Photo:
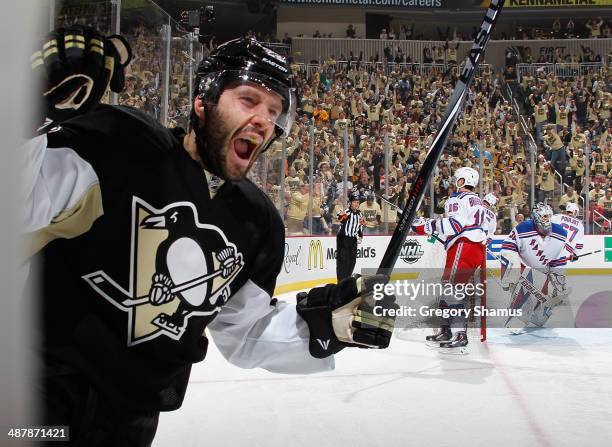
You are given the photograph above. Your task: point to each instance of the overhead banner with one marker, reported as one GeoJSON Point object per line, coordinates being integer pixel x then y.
{"type": "Point", "coordinates": [550, 3]}
{"type": "Point", "coordinates": [374, 3]}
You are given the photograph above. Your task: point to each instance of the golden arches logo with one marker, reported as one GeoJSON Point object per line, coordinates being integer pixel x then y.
{"type": "Point", "coordinates": [315, 254]}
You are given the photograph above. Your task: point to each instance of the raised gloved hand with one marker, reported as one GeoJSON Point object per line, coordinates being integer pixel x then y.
{"type": "Point", "coordinates": [348, 315]}
{"type": "Point", "coordinates": [424, 225]}
{"type": "Point", "coordinates": [75, 66]}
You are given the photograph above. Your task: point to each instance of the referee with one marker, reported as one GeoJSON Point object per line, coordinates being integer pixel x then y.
{"type": "Point", "coordinates": [346, 242]}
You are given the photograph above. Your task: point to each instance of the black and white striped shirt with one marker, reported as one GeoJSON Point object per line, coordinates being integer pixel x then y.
{"type": "Point", "coordinates": [352, 223]}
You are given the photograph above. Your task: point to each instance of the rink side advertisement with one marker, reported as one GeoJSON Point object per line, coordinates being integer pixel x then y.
{"type": "Point", "coordinates": [311, 261]}
{"type": "Point", "coordinates": [584, 298]}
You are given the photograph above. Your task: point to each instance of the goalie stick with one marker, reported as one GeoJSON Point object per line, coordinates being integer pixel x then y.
{"type": "Point", "coordinates": [437, 147]}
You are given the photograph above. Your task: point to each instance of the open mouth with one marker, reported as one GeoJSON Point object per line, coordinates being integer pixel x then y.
{"type": "Point", "coordinates": [244, 147]}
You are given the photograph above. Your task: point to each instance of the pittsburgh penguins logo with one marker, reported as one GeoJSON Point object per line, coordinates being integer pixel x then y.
{"type": "Point", "coordinates": [179, 268]}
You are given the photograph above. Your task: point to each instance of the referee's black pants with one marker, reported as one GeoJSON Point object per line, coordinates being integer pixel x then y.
{"type": "Point", "coordinates": [346, 256]}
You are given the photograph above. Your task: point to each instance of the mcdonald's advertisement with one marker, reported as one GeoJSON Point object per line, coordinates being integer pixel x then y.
{"type": "Point", "coordinates": [311, 261]}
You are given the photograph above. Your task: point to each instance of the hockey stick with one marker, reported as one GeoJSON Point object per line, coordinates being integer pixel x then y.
{"type": "Point", "coordinates": [432, 237]}
{"type": "Point", "coordinates": [437, 147]}
{"type": "Point", "coordinates": [589, 253]}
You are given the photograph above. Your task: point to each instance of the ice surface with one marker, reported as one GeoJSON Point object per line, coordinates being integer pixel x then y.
{"type": "Point", "coordinates": [550, 387]}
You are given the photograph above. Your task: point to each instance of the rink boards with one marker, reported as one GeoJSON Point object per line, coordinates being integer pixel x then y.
{"type": "Point", "coordinates": [310, 261]}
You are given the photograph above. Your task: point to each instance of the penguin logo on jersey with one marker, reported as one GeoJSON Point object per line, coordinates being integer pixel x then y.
{"type": "Point", "coordinates": [179, 268]}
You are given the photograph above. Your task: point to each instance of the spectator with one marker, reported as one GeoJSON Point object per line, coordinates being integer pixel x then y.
{"type": "Point", "coordinates": [606, 203]}
{"type": "Point", "coordinates": [350, 31]}
{"type": "Point", "coordinates": [371, 213]}
{"type": "Point", "coordinates": [569, 196]}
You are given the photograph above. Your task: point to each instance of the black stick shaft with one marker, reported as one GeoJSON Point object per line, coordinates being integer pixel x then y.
{"type": "Point", "coordinates": [447, 125]}
{"type": "Point", "coordinates": [589, 253]}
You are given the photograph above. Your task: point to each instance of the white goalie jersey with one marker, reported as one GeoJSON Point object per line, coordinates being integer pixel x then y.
{"type": "Point", "coordinates": [534, 250]}
{"type": "Point", "coordinates": [532, 269]}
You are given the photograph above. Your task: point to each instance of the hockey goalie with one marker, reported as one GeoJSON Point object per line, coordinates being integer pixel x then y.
{"type": "Point", "coordinates": [533, 260]}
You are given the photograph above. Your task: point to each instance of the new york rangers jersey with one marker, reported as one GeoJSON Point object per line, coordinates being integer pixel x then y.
{"type": "Point", "coordinates": [465, 217]}
{"type": "Point", "coordinates": [535, 250]}
{"type": "Point", "coordinates": [490, 224]}
{"type": "Point", "coordinates": [574, 229]}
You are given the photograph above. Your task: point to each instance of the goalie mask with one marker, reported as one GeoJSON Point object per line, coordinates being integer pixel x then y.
{"type": "Point", "coordinates": [541, 215]}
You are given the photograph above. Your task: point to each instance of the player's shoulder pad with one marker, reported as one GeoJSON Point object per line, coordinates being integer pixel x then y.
{"type": "Point", "coordinates": [525, 227]}
{"type": "Point", "coordinates": [558, 229]}
{"type": "Point", "coordinates": [248, 200]}
{"type": "Point", "coordinates": [258, 203]}
{"type": "Point", "coordinates": [461, 195]}
{"type": "Point", "coordinates": [113, 128]}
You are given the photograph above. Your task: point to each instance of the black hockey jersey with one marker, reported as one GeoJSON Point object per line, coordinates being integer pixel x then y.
{"type": "Point", "coordinates": [138, 258]}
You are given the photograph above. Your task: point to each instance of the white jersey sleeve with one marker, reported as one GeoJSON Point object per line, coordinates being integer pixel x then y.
{"type": "Point", "coordinates": [62, 194]}
{"type": "Point", "coordinates": [465, 217]}
{"type": "Point", "coordinates": [251, 333]}
{"type": "Point", "coordinates": [490, 224]}
{"type": "Point", "coordinates": [575, 232]}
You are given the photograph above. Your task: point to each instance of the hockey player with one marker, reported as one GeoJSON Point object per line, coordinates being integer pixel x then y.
{"type": "Point", "coordinates": [149, 237]}
{"type": "Point", "coordinates": [489, 202]}
{"type": "Point", "coordinates": [574, 228]}
{"type": "Point", "coordinates": [537, 243]}
{"type": "Point", "coordinates": [465, 227]}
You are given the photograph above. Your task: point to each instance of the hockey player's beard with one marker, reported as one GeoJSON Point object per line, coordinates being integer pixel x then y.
{"type": "Point", "coordinates": [213, 143]}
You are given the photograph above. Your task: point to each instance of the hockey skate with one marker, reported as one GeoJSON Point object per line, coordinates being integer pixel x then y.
{"type": "Point", "coordinates": [443, 334]}
{"type": "Point", "coordinates": [457, 345]}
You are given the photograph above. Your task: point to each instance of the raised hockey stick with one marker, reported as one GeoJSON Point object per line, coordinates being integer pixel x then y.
{"type": "Point", "coordinates": [437, 147]}
{"type": "Point", "coordinates": [432, 237]}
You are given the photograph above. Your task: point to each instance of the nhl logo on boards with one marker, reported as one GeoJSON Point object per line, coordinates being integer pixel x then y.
{"type": "Point", "coordinates": [411, 251]}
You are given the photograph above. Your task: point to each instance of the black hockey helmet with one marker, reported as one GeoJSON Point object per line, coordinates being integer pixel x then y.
{"type": "Point", "coordinates": [354, 196]}
{"type": "Point", "coordinates": [245, 60]}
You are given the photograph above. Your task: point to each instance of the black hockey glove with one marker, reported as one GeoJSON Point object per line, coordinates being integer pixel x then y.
{"type": "Point", "coordinates": [347, 315]}
{"type": "Point", "coordinates": [75, 66]}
